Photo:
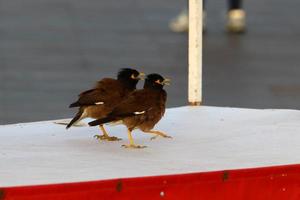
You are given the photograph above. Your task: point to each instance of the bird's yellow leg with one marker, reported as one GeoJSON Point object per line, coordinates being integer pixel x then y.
{"type": "Point", "coordinates": [105, 135]}
{"type": "Point", "coordinates": [158, 133]}
{"type": "Point", "coordinates": [131, 142]}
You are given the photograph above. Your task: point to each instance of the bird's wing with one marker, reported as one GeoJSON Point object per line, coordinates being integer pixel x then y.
{"type": "Point", "coordinates": [105, 91]}
{"type": "Point", "coordinates": [138, 102]}
{"type": "Point", "coordinates": [108, 85]}
{"type": "Point", "coordinates": [89, 97]}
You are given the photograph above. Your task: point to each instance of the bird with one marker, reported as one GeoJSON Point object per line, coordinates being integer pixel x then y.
{"type": "Point", "coordinates": [108, 92]}
{"type": "Point", "coordinates": [142, 109]}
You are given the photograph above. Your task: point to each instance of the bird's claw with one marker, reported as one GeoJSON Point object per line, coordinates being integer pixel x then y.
{"type": "Point", "coordinates": [108, 138]}
{"type": "Point", "coordinates": [154, 137]}
{"type": "Point", "coordinates": [133, 146]}
{"type": "Point", "coordinates": [164, 136]}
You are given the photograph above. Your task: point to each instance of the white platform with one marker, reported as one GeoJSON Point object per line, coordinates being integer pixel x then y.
{"type": "Point", "coordinates": [205, 139]}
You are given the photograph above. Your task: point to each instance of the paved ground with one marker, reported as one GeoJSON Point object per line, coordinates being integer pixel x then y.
{"type": "Point", "coordinates": [50, 50]}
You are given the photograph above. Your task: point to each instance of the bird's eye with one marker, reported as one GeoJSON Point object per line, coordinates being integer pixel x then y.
{"type": "Point", "coordinates": [158, 81]}
{"type": "Point", "coordinates": [163, 82]}
{"type": "Point", "coordinates": [133, 77]}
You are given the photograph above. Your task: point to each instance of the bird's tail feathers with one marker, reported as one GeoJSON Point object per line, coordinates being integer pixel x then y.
{"type": "Point", "coordinates": [102, 121]}
{"type": "Point", "coordinates": [77, 117]}
{"type": "Point", "coordinates": [111, 119]}
{"type": "Point", "coordinates": [75, 104]}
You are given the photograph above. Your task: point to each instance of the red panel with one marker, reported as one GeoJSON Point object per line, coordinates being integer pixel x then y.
{"type": "Point", "coordinates": [272, 183]}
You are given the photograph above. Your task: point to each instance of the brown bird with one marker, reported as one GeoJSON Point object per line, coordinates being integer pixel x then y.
{"type": "Point", "coordinates": [142, 109]}
{"type": "Point", "coordinates": [101, 100]}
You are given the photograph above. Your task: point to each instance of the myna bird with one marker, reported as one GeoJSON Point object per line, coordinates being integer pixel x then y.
{"type": "Point", "coordinates": [101, 100]}
{"type": "Point", "coordinates": [142, 109]}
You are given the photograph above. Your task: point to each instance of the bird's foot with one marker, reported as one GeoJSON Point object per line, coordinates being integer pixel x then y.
{"type": "Point", "coordinates": [133, 146]}
{"type": "Point", "coordinates": [108, 138]}
{"type": "Point", "coordinates": [164, 136]}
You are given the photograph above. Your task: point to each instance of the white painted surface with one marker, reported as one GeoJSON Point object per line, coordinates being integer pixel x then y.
{"type": "Point", "coordinates": [204, 139]}
{"type": "Point", "coordinates": [195, 51]}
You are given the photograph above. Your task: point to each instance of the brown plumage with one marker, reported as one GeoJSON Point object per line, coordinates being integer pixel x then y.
{"type": "Point", "coordinates": [101, 100]}
{"type": "Point", "coordinates": [142, 109]}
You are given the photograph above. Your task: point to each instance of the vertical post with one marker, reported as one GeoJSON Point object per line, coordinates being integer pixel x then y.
{"type": "Point", "coordinates": [195, 52]}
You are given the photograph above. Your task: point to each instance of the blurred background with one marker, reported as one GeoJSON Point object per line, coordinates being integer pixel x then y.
{"type": "Point", "coordinates": [51, 50]}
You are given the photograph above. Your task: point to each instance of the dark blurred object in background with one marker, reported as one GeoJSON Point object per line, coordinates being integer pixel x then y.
{"type": "Point", "coordinates": [236, 18]}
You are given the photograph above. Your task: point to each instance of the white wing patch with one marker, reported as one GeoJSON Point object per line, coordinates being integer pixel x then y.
{"type": "Point", "coordinates": [139, 113]}
{"type": "Point", "coordinates": [99, 103]}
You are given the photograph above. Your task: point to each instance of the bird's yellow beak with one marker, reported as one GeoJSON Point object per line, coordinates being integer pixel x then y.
{"type": "Point", "coordinates": [139, 77]}
{"type": "Point", "coordinates": [166, 81]}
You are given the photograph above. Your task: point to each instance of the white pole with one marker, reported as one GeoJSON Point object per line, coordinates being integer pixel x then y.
{"type": "Point", "coordinates": [195, 52]}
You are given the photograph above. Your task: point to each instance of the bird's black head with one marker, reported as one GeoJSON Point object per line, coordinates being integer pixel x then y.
{"type": "Point", "coordinates": [156, 81]}
{"type": "Point", "coordinates": [129, 77]}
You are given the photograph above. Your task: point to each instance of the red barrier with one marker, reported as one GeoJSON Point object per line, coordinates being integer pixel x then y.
{"type": "Point", "coordinates": [269, 183]}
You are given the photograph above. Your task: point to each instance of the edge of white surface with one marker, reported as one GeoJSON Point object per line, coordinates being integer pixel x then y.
{"type": "Point", "coordinates": [225, 138]}
{"type": "Point", "coordinates": [168, 109]}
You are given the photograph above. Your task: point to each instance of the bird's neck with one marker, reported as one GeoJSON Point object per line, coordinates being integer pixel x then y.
{"type": "Point", "coordinates": [130, 85]}
{"type": "Point", "coordinates": [153, 87]}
